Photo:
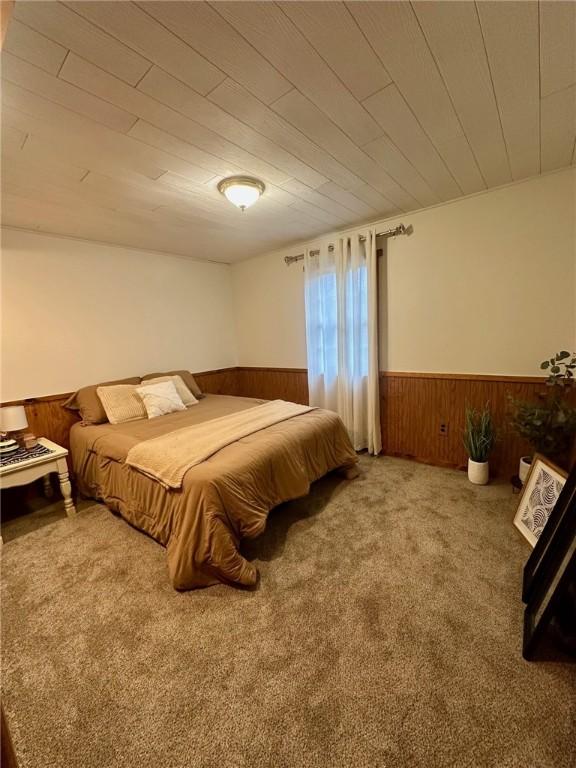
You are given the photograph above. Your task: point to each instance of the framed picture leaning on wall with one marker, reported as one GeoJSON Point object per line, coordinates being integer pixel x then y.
{"type": "Point", "coordinates": [541, 491]}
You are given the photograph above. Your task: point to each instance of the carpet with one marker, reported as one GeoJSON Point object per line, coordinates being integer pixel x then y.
{"type": "Point", "coordinates": [385, 631]}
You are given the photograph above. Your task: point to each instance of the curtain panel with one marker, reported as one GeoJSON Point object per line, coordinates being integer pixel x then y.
{"type": "Point", "coordinates": [342, 334]}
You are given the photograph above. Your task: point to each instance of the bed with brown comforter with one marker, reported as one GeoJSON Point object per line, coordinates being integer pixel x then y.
{"type": "Point", "coordinates": [223, 498]}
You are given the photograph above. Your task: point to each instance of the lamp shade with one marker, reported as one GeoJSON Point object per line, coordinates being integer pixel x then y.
{"type": "Point", "coordinates": [242, 191]}
{"type": "Point", "coordinates": [13, 418]}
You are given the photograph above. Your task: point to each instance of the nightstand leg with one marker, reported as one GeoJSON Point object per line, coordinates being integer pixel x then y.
{"type": "Point", "coordinates": [48, 490]}
{"type": "Point", "coordinates": [66, 488]}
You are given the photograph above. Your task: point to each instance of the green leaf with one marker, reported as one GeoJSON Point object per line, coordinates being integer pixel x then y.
{"type": "Point", "coordinates": [545, 365]}
{"type": "Point", "coordinates": [555, 369]}
{"type": "Point", "coordinates": [562, 355]}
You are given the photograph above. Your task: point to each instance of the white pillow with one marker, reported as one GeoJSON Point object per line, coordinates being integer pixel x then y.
{"type": "Point", "coordinates": [185, 395]}
{"type": "Point", "coordinates": [160, 399]}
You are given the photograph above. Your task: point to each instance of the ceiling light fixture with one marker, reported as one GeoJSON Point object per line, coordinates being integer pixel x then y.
{"type": "Point", "coordinates": [242, 191]}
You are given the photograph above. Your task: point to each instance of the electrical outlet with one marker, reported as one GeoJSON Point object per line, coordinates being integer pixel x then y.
{"type": "Point", "coordinates": [443, 428]}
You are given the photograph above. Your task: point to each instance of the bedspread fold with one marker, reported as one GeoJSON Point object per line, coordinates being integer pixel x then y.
{"type": "Point", "coordinates": [168, 457]}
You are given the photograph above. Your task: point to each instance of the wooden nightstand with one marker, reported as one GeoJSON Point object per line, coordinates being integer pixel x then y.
{"type": "Point", "coordinates": [30, 469]}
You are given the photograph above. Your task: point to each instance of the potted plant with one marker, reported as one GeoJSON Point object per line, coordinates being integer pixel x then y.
{"type": "Point", "coordinates": [479, 438]}
{"type": "Point", "coordinates": [549, 423]}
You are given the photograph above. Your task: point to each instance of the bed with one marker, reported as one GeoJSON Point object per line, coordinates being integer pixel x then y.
{"type": "Point", "coordinates": [222, 499]}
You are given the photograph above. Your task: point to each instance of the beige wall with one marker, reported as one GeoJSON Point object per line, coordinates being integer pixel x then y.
{"type": "Point", "coordinates": [269, 310]}
{"type": "Point", "coordinates": [485, 284]}
{"type": "Point", "coordinates": [74, 313]}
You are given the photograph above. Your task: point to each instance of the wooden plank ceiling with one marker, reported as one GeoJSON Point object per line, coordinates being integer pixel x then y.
{"type": "Point", "coordinates": [120, 118]}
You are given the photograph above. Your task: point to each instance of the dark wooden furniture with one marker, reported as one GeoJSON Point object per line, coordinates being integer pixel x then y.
{"type": "Point", "coordinates": [7, 753]}
{"type": "Point", "coordinates": [549, 583]}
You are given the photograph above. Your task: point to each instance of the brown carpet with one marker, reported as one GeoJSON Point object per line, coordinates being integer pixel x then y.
{"type": "Point", "coordinates": [385, 631]}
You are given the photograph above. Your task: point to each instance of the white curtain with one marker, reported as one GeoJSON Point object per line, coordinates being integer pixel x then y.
{"type": "Point", "coordinates": [342, 334]}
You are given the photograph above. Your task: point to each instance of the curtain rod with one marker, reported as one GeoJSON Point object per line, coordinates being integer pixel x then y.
{"type": "Point", "coordinates": [399, 230]}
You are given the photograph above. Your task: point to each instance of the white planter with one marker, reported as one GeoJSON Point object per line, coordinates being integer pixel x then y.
{"type": "Point", "coordinates": [524, 468]}
{"type": "Point", "coordinates": [478, 472]}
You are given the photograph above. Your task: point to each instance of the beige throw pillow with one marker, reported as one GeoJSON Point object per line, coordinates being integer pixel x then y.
{"type": "Point", "coordinates": [86, 401]}
{"type": "Point", "coordinates": [160, 399]}
{"type": "Point", "coordinates": [121, 403]}
{"type": "Point", "coordinates": [185, 395]}
{"type": "Point", "coordinates": [186, 377]}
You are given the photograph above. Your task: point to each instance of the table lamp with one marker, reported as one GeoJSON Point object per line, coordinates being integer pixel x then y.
{"type": "Point", "coordinates": [13, 422]}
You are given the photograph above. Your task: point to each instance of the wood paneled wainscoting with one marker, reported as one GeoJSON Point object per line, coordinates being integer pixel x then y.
{"type": "Point", "coordinates": [219, 382]}
{"type": "Point", "coordinates": [273, 383]}
{"type": "Point", "coordinates": [413, 406]}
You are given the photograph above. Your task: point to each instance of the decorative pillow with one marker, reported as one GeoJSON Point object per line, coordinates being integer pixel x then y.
{"type": "Point", "coordinates": [87, 402]}
{"type": "Point", "coordinates": [186, 377]}
{"type": "Point", "coordinates": [185, 395]}
{"type": "Point", "coordinates": [160, 399]}
{"type": "Point", "coordinates": [122, 403]}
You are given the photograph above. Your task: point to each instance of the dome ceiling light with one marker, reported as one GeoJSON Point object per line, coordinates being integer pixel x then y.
{"type": "Point", "coordinates": [242, 191]}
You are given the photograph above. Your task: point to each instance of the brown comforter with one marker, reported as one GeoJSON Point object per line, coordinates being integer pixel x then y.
{"type": "Point", "coordinates": [223, 499]}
